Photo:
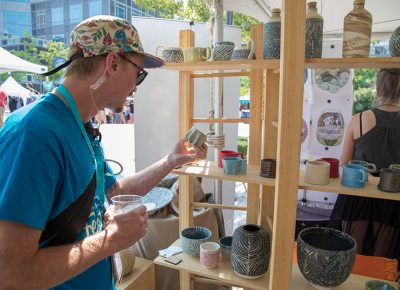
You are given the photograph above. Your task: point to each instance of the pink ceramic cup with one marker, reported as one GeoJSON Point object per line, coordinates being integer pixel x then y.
{"type": "Point", "coordinates": [210, 254]}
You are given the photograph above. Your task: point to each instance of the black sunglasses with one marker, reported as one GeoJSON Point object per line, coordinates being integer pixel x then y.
{"type": "Point", "coordinates": [141, 75]}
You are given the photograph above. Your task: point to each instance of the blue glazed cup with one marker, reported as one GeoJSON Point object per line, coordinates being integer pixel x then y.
{"type": "Point", "coordinates": [191, 238]}
{"type": "Point", "coordinates": [231, 165]}
{"type": "Point", "coordinates": [354, 176]}
{"type": "Point", "coordinates": [243, 166]}
{"type": "Point", "coordinates": [226, 245]}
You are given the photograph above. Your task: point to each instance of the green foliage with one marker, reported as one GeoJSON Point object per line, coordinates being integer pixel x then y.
{"type": "Point", "coordinates": [242, 145]}
{"type": "Point", "coordinates": [245, 22]}
{"type": "Point", "coordinates": [364, 89]}
{"type": "Point", "coordinates": [53, 49]}
{"type": "Point", "coordinates": [244, 86]}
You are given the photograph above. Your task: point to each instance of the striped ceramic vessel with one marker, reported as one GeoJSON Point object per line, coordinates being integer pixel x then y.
{"type": "Point", "coordinates": [223, 50]}
{"type": "Point", "coordinates": [325, 256]}
{"type": "Point", "coordinates": [191, 238]}
{"type": "Point", "coordinates": [314, 30]}
{"type": "Point", "coordinates": [357, 31]}
{"type": "Point", "coordinates": [394, 43]}
{"type": "Point", "coordinates": [250, 252]}
{"type": "Point", "coordinates": [272, 35]}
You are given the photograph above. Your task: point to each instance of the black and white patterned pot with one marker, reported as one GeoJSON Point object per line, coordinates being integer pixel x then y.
{"type": "Point", "coordinates": [325, 256]}
{"type": "Point", "coordinates": [394, 43]}
{"type": "Point", "coordinates": [250, 252]}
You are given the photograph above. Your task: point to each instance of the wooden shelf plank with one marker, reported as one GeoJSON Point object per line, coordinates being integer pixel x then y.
{"type": "Point", "coordinates": [221, 206]}
{"type": "Point", "coordinates": [210, 169]}
{"type": "Point", "coordinates": [223, 65]}
{"type": "Point", "coordinates": [219, 120]}
{"type": "Point", "coordinates": [370, 189]}
{"type": "Point", "coordinates": [223, 74]}
{"type": "Point", "coordinates": [222, 273]}
{"type": "Point", "coordinates": [142, 276]}
{"type": "Point", "coordinates": [362, 62]}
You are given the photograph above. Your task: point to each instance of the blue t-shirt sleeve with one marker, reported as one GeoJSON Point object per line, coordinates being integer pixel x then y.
{"type": "Point", "coordinates": [30, 170]}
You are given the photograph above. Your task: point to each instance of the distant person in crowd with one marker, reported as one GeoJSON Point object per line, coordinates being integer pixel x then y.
{"type": "Point", "coordinates": [3, 106]}
{"type": "Point", "coordinates": [55, 229]}
{"type": "Point", "coordinates": [373, 136]}
{"type": "Point", "coordinates": [131, 111]}
{"type": "Point", "coordinates": [100, 117]}
{"type": "Point", "coordinates": [15, 102]}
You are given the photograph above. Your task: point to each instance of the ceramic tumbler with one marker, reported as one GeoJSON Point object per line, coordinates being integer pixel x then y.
{"type": "Point", "coordinates": [223, 50]}
{"type": "Point", "coordinates": [210, 254]}
{"type": "Point", "coordinates": [170, 54]}
{"type": "Point", "coordinates": [231, 165]}
{"type": "Point", "coordinates": [317, 172]}
{"type": "Point", "coordinates": [389, 180]}
{"type": "Point", "coordinates": [226, 245]}
{"type": "Point", "coordinates": [227, 153]}
{"type": "Point", "coordinates": [334, 169]}
{"type": "Point", "coordinates": [354, 176]}
{"type": "Point", "coordinates": [195, 137]}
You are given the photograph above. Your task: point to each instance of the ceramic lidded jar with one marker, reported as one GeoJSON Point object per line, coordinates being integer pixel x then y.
{"type": "Point", "coordinates": [314, 31]}
{"type": "Point", "coordinates": [357, 31]}
{"type": "Point", "coordinates": [394, 43]}
{"type": "Point", "coordinates": [272, 35]}
{"type": "Point", "coordinates": [250, 252]}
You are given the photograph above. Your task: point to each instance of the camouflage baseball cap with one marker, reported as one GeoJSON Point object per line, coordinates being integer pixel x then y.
{"type": "Point", "coordinates": [103, 34]}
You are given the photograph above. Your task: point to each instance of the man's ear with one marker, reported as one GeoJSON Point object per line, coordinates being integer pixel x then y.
{"type": "Point", "coordinates": [111, 62]}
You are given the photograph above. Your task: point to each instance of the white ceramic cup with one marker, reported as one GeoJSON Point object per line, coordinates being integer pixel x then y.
{"type": "Point", "coordinates": [210, 254]}
{"type": "Point", "coordinates": [317, 172]}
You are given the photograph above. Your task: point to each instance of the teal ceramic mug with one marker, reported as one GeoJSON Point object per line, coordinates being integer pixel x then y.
{"type": "Point", "coordinates": [231, 165]}
{"type": "Point", "coordinates": [354, 176]}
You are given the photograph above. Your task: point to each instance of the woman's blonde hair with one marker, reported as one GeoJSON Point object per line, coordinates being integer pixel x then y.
{"type": "Point", "coordinates": [82, 66]}
{"type": "Point", "coordinates": [388, 85]}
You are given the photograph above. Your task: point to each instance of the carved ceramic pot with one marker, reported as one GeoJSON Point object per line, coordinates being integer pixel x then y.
{"type": "Point", "coordinates": [250, 252]}
{"type": "Point", "coordinates": [394, 43]}
{"type": "Point", "coordinates": [326, 256]}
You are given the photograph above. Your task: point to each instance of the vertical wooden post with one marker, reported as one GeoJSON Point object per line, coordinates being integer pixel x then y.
{"type": "Point", "coordinates": [186, 108]}
{"type": "Point", "coordinates": [270, 137]}
{"type": "Point", "coordinates": [289, 139]}
{"type": "Point", "coordinates": [254, 155]}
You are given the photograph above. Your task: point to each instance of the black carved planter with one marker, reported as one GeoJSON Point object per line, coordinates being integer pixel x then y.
{"type": "Point", "coordinates": [250, 251]}
{"type": "Point", "coordinates": [326, 256]}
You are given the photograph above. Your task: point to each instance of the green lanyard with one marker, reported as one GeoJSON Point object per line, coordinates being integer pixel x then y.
{"type": "Point", "coordinates": [95, 147]}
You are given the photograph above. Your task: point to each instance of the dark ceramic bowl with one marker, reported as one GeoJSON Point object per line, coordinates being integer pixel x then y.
{"type": "Point", "coordinates": [226, 245]}
{"type": "Point", "coordinates": [378, 285]}
{"type": "Point", "coordinates": [326, 256]}
{"type": "Point", "coordinates": [191, 238]}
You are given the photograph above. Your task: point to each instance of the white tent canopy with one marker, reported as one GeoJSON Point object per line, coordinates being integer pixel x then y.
{"type": "Point", "coordinates": [385, 14]}
{"type": "Point", "coordinates": [10, 63]}
{"type": "Point", "coordinates": [12, 88]}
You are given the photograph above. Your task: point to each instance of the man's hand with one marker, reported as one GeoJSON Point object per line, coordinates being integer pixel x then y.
{"type": "Point", "coordinates": [184, 152]}
{"type": "Point", "coordinates": [125, 229]}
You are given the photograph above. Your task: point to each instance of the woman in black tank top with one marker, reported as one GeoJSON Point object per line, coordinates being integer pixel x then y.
{"type": "Point", "coordinates": [374, 223]}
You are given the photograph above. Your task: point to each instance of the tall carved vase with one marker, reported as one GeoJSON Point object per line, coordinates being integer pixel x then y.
{"type": "Point", "coordinates": [272, 35]}
{"type": "Point", "coordinates": [250, 252]}
{"type": "Point", "coordinates": [394, 43]}
{"type": "Point", "coordinates": [314, 31]}
{"type": "Point", "coordinates": [357, 31]}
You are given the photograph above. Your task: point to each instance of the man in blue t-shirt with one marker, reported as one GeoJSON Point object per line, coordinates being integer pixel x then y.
{"type": "Point", "coordinates": [49, 164]}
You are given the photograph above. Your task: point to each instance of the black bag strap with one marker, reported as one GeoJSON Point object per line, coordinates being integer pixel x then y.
{"type": "Point", "coordinates": [66, 227]}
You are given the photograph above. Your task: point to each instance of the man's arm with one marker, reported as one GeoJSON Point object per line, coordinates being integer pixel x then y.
{"type": "Point", "coordinates": [24, 266]}
{"type": "Point", "coordinates": [143, 181]}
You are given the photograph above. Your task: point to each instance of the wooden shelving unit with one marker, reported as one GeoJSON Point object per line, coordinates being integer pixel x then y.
{"type": "Point", "coordinates": [275, 123]}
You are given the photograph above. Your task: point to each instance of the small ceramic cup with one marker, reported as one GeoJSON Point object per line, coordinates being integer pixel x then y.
{"type": "Point", "coordinates": [231, 165]}
{"type": "Point", "coordinates": [170, 54]}
{"type": "Point", "coordinates": [226, 245]}
{"type": "Point", "coordinates": [210, 254]}
{"type": "Point", "coordinates": [192, 237]}
{"type": "Point", "coordinates": [195, 137]}
{"type": "Point", "coordinates": [227, 153]}
{"type": "Point", "coordinates": [389, 180]}
{"type": "Point", "coordinates": [334, 169]}
{"type": "Point", "coordinates": [243, 166]}
{"type": "Point", "coordinates": [354, 176]}
{"type": "Point", "coordinates": [197, 54]}
{"type": "Point", "coordinates": [244, 52]}
{"type": "Point", "coordinates": [223, 50]}
{"type": "Point", "coordinates": [317, 172]}
{"type": "Point", "coordinates": [377, 285]}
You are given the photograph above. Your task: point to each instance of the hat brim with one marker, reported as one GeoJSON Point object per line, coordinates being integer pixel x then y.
{"type": "Point", "coordinates": [151, 61]}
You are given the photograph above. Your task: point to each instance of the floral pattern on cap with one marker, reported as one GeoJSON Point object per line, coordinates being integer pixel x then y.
{"type": "Point", "coordinates": [103, 34]}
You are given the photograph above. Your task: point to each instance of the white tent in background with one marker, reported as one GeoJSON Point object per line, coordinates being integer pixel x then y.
{"type": "Point", "coordinates": [10, 63]}
{"type": "Point", "coordinates": [12, 88]}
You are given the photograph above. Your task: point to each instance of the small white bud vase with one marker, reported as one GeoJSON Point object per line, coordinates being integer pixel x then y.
{"type": "Point", "coordinates": [314, 31]}
{"type": "Point", "coordinates": [357, 31]}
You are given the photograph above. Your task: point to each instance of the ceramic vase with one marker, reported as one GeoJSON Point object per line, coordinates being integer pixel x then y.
{"type": "Point", "coordinates": [314, 31]}
{"type": "Point", "coordinates": [272, 35]}
{"type": "Point", "coordinates": [394, 43]}
{"type": "Point", "coordinates": [250, 252]}
{"type": "Point", "coordinates": [357, 31]}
